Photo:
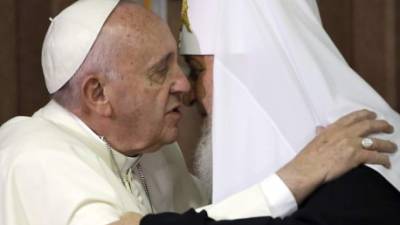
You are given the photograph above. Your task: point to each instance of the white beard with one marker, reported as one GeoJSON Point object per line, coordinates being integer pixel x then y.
{"type": "Point", "coordinates": [203, 159]}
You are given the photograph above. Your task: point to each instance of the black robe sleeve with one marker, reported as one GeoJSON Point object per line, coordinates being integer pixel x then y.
{"type": "Point", "coordinates": [361, 197]}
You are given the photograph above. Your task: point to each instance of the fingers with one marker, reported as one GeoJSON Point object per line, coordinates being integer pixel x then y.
{"type": "Point", "coordinates": [380, 145]}
{"type": "Point", "coordinates": [129, 218]}
{"type": "Point", "coordinates": [376, 158]}
{"type": "Point", "coordinates": [367, 127]}
{"type": "Point", "coordinates": [355, 117]}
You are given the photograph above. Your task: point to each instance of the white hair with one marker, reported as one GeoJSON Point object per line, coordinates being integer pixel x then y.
{"type": "Point", "coordinates": [203, 158]}
{"type": "Point", "coordinates": [100, 61]}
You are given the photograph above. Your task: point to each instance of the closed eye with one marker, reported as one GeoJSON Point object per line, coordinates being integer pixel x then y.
{"type": "Point", "coordinates": [195, 73]}
{"type": "Point", "coordinates": [158, 73]}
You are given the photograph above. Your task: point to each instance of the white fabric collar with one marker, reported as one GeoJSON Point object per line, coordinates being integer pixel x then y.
{"type": "Point", "coordinates": [55, 113]}
{"type": "Point", "coordinates": [123, 162]}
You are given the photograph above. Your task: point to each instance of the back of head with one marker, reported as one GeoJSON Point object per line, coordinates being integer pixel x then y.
{"type": "Point", "coordinates": [86, 38]}
{"type": "Point", "coordinates": [70, 37]}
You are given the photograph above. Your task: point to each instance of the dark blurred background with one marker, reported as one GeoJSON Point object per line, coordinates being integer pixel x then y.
{"type": "Point", "coordinates": [366, 32]}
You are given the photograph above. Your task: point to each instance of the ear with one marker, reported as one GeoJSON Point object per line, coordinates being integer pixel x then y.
{"type": "Point", "coordinates": [94, 95]}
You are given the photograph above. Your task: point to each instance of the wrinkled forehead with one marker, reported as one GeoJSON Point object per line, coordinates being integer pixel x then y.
{"type": "Point", "coordinates": [200, 61]}
{"type": "Point", "coordinates": [138, 34]}
{"type": "Point", "coordinates": [136, 25]}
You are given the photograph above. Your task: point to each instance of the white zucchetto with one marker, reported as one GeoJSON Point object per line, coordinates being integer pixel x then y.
{"type": "Point", "coordinates": [70, 37]}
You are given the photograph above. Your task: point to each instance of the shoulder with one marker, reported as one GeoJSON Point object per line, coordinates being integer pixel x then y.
{"type": "Point", "coordinates": [35, 140]}
{"type": "Point", "coordinates": [30, 130]}
{"type": "Point", "coordinates": [34, 151]}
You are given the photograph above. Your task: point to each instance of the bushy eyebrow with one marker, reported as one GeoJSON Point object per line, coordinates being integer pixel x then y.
{"type": "Point", "coordinates": [193, 62]}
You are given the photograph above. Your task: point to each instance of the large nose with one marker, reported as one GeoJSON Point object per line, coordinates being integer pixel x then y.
{"type": "Point", "coordinates": [181, 83]}
{"type": "Point", "coordinates": [189, 98]}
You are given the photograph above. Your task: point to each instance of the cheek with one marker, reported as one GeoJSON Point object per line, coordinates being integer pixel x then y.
{"type": "Point", "coordinates": [144, 115]}
{"type": "Point", "coordinates": [151, 102]}
{"type": "Point", "coordinates": [154, 102]}
{"type": "Point", "coordinates": [138, 104]}
{"type": "Point", "coordinates": [206, 83]}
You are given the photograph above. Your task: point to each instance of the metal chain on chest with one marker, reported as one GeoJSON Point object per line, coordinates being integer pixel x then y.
{"type": "Point", "coordinates": [125, 181]}
{"type": "Point", "coordinates": [144, 184]}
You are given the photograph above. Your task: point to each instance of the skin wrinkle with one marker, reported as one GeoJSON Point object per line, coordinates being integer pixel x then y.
{"type": "Point", "coordinates": [139, 27]}
{"type": "Point", "coordinates": [202, 78]}
{"type": "Point", "coordinates": [100, 55]}
{"type": "Point", "coordinates": [138, 119]}
{"type": "Point", "coordinates": [160, 68]}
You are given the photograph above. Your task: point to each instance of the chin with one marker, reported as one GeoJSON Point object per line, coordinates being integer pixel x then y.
{"type": "Point", "coordinates": [168, 136]}
{"type": "Point", "coordinates": [161, 144]}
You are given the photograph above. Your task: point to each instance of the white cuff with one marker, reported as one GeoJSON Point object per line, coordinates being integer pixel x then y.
{"type": "Point", "coordinates": [247, 203]}
{"type": "Point", "coordinates": [278, 196]}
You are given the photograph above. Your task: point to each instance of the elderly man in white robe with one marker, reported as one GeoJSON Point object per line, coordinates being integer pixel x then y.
{"type": "Point", "coordinates": [268, 74]}
{"type": "Point", "coordinates": [92, 155]}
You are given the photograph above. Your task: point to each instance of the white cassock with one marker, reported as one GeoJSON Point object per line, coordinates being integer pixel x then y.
{"type": "Point", "coordinates": [277, 76]}
{"type": "Point", "coordinates": [55, 171]}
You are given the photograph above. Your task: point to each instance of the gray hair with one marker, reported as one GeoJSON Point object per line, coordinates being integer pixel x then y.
{"type": "Point", "coordinates": [102, 59]}
{"type": "Point", "coordinates": [99, 61]}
